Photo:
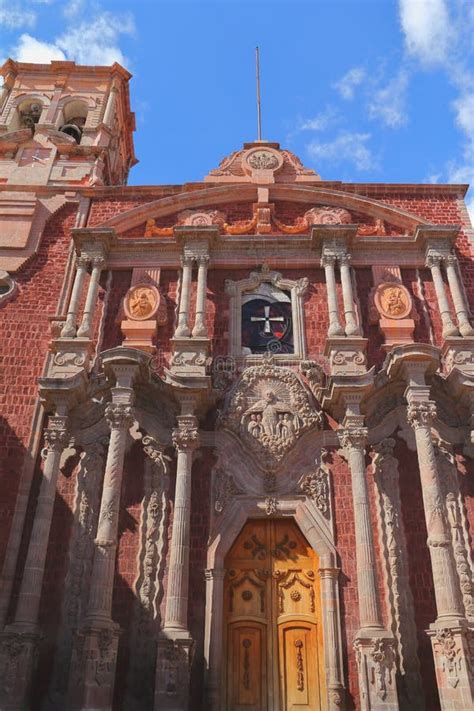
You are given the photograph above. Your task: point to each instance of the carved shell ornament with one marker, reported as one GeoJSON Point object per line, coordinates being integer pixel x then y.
{"type": "Point", "coordinates": [262, 159]}
{"type": "Point", "coordinates": [269, 410]}
{"type": "Point", "coordinates": [141, 302]}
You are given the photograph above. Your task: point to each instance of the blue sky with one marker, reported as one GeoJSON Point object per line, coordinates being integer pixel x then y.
{"type": "Point", "coordinates": [361, 90]}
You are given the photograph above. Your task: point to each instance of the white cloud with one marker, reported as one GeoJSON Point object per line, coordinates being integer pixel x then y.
{"type": "Point", "coordinates": [346, 147]}
{"type": "Point", "coordinates": [96, 41]}
{"type": "Point", "coordinates": [73, 8]}
{"type": "Point", "coordinates": [347, 85]}
{"type": "Point", "coordinates": [30, 49]}
{"type": "Point", "coordinates": [322, 121]}
{"type": "Point", "coordinates": [14, 15]}
{"type": "Point", "coordinates": [464, 108]}
{"type": "Point", "coordinates": [389, 104]}
{"type": "Point", "coordinates": [92, 42]}
{"type": "Point", "coordinates": [427, 28]}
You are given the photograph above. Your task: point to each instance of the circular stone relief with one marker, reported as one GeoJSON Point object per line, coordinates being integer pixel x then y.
{"type": "Point", "coordinates": [141, 302]}
{"type": "Point", "coordinates": [262, 159]}
{"type": "Point", "coordinates": [393, 300]}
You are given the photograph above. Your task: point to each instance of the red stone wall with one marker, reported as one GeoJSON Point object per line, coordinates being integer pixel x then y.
{"type": "Point", "coordinates": [24, 329]}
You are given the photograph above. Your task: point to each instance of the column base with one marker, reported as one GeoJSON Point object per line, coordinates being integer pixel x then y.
{"type": "Point", "coordinates": [93, 666]}
{"type": "Point", "coordinates": [458, 353]}
{"type": "Point", "coordinates": [173, 667]}
{"type": "Point", "coordinates": [453, 652]}
{"type": "Point", "coordinates": [18, 659]}
{"type": "Point", "coordinates": [71, 355]}
{"type": "Point", "coordinates": [375, 656]}
{"type": "Point", "coordinates": [346, 355]}
{"type": "Point", "coordinates": [190, 356]}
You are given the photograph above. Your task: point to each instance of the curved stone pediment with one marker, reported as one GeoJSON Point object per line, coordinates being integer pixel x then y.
{"type": "Point", "coordinates": [269, 410]}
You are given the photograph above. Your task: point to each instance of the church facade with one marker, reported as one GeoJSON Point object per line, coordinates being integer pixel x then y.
{"type": "Point", "coordinates": [237, 425]}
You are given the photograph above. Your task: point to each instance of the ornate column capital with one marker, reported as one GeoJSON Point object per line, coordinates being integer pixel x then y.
{"type": "Point", "coordinates": [186, 436]}
{"type": "Point", "coordinates": [98, 261]}
{"type": "Point", "coordinates": [421, 414]}
{"type": "Point", "coordinates": [118, 415]}
{"type": "Point", "coordinates": [353, 438]}
{"type": "Point", "coordinates": [433, 260]}
{"type": "Point", "coordinates": [451, 259]}
{"type": "Point", "coordinates": [55, 440]}
{"type": "Point", "coordinates": [328, 260]}
{"type": "Point", "coordinates": [202, 259]}
{"type": "Point", "coordinates": [344, 259]}
{"type": "Point", "coordinates": [82, 261]}
{"type": "Point", "coordinates": [187, 260]}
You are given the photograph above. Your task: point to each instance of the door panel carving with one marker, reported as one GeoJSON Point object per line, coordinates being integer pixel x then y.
{"type": "Point", "coordinates": [273, 632]}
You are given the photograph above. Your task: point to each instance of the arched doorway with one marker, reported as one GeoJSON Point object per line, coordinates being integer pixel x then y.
{"type": "Point", "coordinates": [273, 637]}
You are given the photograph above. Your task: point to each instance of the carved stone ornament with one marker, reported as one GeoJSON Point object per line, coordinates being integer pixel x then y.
{"type": "Point", "coordinates": [393, 300]}
{"type": "Point", "coordinates": [141, 302]}
{"type": "Point", "coordinates": [201, 218]}
{"type": "Point", "coordinates": [449, 651]}
{"type": "Point", "coordinates": [328, 216]}
{"type": "Point", "coordinates": [315, 486]}
{"type": "Point", "coordinates": [262, 159]}
{"type": "Point", "coordinates": [421, 414]}
{"type": "Point", "coordinates": [269, 410]}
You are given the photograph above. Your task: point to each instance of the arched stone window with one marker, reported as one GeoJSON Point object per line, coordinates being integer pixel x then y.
{"type": "Point", "coordinates": [266, 315]}
{"type": "Point", "coordinates": [72, 118]}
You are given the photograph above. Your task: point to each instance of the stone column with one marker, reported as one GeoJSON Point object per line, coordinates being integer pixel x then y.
{"type": "Point", "coordinates": [420, 415]}
{"type": "Point", "coordinates": [433, 262]}
{"type": "Point", "coordinates": [92, 676]}
{"type": "Point", "coordinates": [352, 327]}
{"type": "Point", "coordinates": [460, 306]}
{"type": "Point", "coordinates": [328, 261]}
{"type": "Point", "coordinates": [399, 600]}
{"type": "Point", "coordinates": [69, 328]}
{"type": "Point", "coordinates": [175, 645]}
{"type": "Point", "coordinates": [451, 636]}
{"type": "Point", "coordinates": [332, 646]}
{"type": "Point", "coordinates": [86, 326]}
{"type": "Point", "coordinates": [373, 645]}
{"type": "Point", "coordinates": [200, 327]}
{"type": "Point", "coordinates": [109, 113]}
{"type": "Point", "coordinates": [183, 327]}
{"type": "Point", "coordinates": [354, 440]}
{"type": "Point", "coordinates": [22, 636]}
{"type": "Point", "coordinates": [185, 440]}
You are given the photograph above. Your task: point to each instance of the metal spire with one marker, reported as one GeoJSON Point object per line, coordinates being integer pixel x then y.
{"type": "Point", "coordinates": [259, 109]}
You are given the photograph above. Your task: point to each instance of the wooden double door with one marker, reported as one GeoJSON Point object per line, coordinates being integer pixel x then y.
{"type": "Point", "coordinates": [273, 631]}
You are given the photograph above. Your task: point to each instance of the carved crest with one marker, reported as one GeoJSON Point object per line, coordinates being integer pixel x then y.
{"type": "Point", "coordinates": [393, 300]}
{"type": "Point", "coordinates": [269, 410]}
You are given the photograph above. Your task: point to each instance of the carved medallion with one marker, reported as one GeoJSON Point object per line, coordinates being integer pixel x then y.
{"type": "Point", "coordinates": [393, 300]}
{"type": "Point", "coordinates": [269, 410]}
{"type": "Point", "coordinates": [261, 159]}
{"type": "Point", "coordinates": [141, 302]}
{"type": "Point", "coordinates": [328, 216]}
{"type": "Point", "coordinates": [201, 218]}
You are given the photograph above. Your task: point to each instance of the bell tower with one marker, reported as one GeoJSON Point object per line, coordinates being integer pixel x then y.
{"type": "Point", "coordinates": [63, 124]}
{"type": "Point", "coordinates": [64, 129]}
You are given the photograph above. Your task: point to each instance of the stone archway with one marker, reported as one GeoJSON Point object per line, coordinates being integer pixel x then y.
{"type": "Point", "coordinates": [307, 519]}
